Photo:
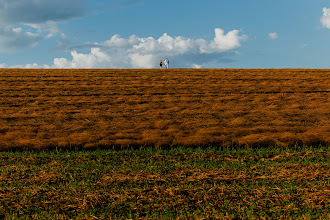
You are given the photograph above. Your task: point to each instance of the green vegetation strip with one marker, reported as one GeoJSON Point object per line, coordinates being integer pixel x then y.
{"type": "Point", "coordinates": [178, 183]}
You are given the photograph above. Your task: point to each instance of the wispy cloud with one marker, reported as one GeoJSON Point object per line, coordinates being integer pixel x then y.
{"type": "Point", "coordinates": [12, 39]}
{"type": "Point", "coordinates": [27, 22]}
{"type": "Point", "coordinates": [273, 35]}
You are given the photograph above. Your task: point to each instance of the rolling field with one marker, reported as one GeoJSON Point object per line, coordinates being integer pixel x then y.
{"type": "Point", "coordinates": [88, 109]}
{"type": "Point", "coordinates": [169, 144]}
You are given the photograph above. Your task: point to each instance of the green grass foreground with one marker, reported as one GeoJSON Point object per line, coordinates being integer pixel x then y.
{"type": "Point", "coordinates": [277, 183]}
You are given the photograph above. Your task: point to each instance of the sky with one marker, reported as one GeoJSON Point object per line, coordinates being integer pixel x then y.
{"type": "Point", "coordinates": [140, 33]}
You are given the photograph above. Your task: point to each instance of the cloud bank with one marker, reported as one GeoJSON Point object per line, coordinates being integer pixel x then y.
{"type": "Point", "coordinates": [24, 23]}
{"type": "Point", "coordinates": [136, 52]}
{"type": "Point", "coordinates": [38, 11]}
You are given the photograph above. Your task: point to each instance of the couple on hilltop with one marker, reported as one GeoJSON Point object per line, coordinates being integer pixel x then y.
{"type": "Point", "coordinates": [166, 63]}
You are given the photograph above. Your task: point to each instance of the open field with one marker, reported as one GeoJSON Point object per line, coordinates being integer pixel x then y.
{"type": "Point", "coordinates": [181, 183]}
{"type": "Point", "coordinates": [42, 109]}
{"type": "Point", "coordinates": [270, 132]}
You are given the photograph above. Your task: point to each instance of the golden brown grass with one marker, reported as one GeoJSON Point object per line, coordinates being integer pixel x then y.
{"type": "Point", "coordinates": [42, 109]}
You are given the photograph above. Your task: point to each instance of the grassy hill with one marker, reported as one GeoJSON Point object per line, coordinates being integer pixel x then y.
{"type": "Point", "coordinates": [42, 109]}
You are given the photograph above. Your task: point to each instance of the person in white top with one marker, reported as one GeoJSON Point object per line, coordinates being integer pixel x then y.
{"type": "Point", "coordinates": [166, 62]}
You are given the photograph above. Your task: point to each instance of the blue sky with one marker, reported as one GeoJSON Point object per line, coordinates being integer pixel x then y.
{"type": "Point", "coordinates": [139, 33]}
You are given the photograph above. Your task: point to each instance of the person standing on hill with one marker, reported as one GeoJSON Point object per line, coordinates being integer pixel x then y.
{"type": "Point", "coordinates": [166, 62]}
{"type": "Point", "coordinates": [161, 64]}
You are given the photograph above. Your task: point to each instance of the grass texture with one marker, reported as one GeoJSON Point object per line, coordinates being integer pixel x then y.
{"type": "Point", "coordinates": [180, 183]}
{"type": "Point", "coordinates": [89, 109]}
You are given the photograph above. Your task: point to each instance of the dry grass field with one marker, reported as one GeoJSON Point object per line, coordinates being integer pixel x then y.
{"type": "Point", "coordinates": [87, 109]}
{"type": "Point", "coordinates": [198, 134]}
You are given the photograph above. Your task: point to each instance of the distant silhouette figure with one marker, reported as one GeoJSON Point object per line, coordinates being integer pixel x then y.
{"type": "Point", "coordinates": [161, 64]}
{"type": "Point", "coordinates": [167, 63]}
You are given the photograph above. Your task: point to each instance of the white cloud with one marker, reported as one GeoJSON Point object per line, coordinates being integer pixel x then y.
{"type": "Point", "coordinates": [196, 66]}
{"type": "Point", "coordinates": [117, 42]}
{"type": "Point", "coordinates": [222, 42]}
{"type": "Point", "coordinates": [273, 35]}
{"type": "Point", "coordinates": [325, 19]}
{"type": "Point", "coordinates": [136, 52]}
{"type": "Point", "coordinates": [141, 61]}
{"type": "Point", "coordinates": [95, 59]}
